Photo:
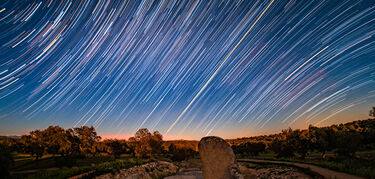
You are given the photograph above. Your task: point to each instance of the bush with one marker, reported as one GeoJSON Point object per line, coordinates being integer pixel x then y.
{"type": "Point", "coordinates": [180, 154]}
{"type": "Point", "coordinates": [249, 148]}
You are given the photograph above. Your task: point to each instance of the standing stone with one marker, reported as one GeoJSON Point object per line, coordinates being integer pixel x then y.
{"type": "Point", "coordinates": [218, 159]}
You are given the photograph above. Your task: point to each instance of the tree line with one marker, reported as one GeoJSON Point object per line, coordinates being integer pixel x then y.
{"type": "Point", "coordinates": [343, 140]}
{"type": "Point", "coordinates": [80, 142]}
{"type": "Point", "coordinates": [84, 141]}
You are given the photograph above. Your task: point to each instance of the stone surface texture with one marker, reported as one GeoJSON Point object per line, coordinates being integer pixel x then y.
{"type": "Point", "coordinates": [218, 159]}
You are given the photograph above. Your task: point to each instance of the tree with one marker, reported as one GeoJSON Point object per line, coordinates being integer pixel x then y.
{"type": "Point", "coordinates": [179, 154]}
{"type": "Point", "coordinates": [282, 145]}
{"type": "Point", "coordinates": [176, 153]}
{"type": "Point", "coordinates": [322, 139]}
{"type": "Point", "coordinates": [71, 148]}
{"type": "Point", "coordinates": [368, 133]}
{"type": "Point", "coordinates": [87, 137]}
{"type": "Point", "coordinates": [132, 145]}
{"type": "Point", "coordinates": [115, 147]}
{"type": "Point", "coordinates": [372, 112]}
{"type": "Point", "coordinates": [249, 148]}
{"type": "Point", "coordinates": [143, 148]}
{"type": "Point", "coordinates": [6, 160]}
{"type": "Point", "coordinates": [34, 143]}
{"type": "Point", "coordinates": [12, 144]}
{"type": "Point", "coordinates": [146, 144]}
{"type": "Point", "coordinates": [156, 143]}
{"type": "Point", "coordinates": [347, 143]}
{"type": "Point", "coordinates": [57, 140]}
{"type": "Point", "coordinates": [68, 143]}
{"type": "Point", "coordinates": [301, 141]}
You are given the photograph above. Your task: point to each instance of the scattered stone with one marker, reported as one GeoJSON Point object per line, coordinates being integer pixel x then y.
{"type": "Point", "coordinates": [146, 171]}
{"type": "Point", "coordinates": [280, 173]}
{"type": "Point", "coordinates": [188, 173]}
{"type": "Point", "coordinates": [218, 159]}
{"type": "Point", "coordinates": [253, 171]}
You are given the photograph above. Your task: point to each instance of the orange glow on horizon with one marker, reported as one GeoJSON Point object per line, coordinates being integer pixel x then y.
{"type": "Point", "coordinates": [127, 136]}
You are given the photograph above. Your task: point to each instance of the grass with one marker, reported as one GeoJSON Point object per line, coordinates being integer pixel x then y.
{"type": "Point", "coordinates": [27, 162]}
{"type": "Point", "coordinates": [22, 157]}
{"type": "Point", "coordinates": [95, 165]}
{"type": "Point", "coordinates": [92, 171]}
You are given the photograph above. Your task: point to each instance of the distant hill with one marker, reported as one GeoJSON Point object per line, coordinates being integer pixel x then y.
{"type": "Point", "coordinates": [12, 137]}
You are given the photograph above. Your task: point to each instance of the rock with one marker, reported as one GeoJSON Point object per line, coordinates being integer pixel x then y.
{"type": "Point", "coordinates": [278, 172]}
{"type": "Point", "coordinates": [145, 171]}
{"type": "Point", "coordinates": [218, 159]}
{"type": "Point", "coordinates": [187, 173]}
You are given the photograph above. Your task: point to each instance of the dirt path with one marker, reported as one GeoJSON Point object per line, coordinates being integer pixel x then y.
{"type": "Point", "coordinates": [327, 173]}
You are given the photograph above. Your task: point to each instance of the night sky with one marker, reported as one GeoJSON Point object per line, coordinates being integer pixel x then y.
{"type": "Point", "coordinates": [185, 68]}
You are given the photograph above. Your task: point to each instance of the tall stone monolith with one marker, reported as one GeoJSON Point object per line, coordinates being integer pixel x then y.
{"type": "Point", "coordinates": [218, 159]}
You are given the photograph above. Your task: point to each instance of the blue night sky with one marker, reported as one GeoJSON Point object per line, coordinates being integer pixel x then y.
{"type": "Point", "coordinates": [186, 68]}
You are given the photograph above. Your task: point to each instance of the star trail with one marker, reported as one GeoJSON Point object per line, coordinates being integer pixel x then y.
{"type": "Point", "coordinates": [186, 68]}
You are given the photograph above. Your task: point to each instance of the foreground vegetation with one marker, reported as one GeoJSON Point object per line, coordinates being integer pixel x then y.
{"type": "Point", "coordinates": [88, 171]}
{"type": "Point", "coordinates": [346, 147]}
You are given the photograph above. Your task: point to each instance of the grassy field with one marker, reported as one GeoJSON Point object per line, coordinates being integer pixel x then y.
{"type": "Point", "coordinates": [26, 162]}
{"type": "Point", "coordinates": [27, 167]}
{"type": "Point", "coordinates": [362, 165]}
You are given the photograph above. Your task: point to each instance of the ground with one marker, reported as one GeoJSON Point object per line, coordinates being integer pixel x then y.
{"type": "Point", "coordinates": [49, 167]}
